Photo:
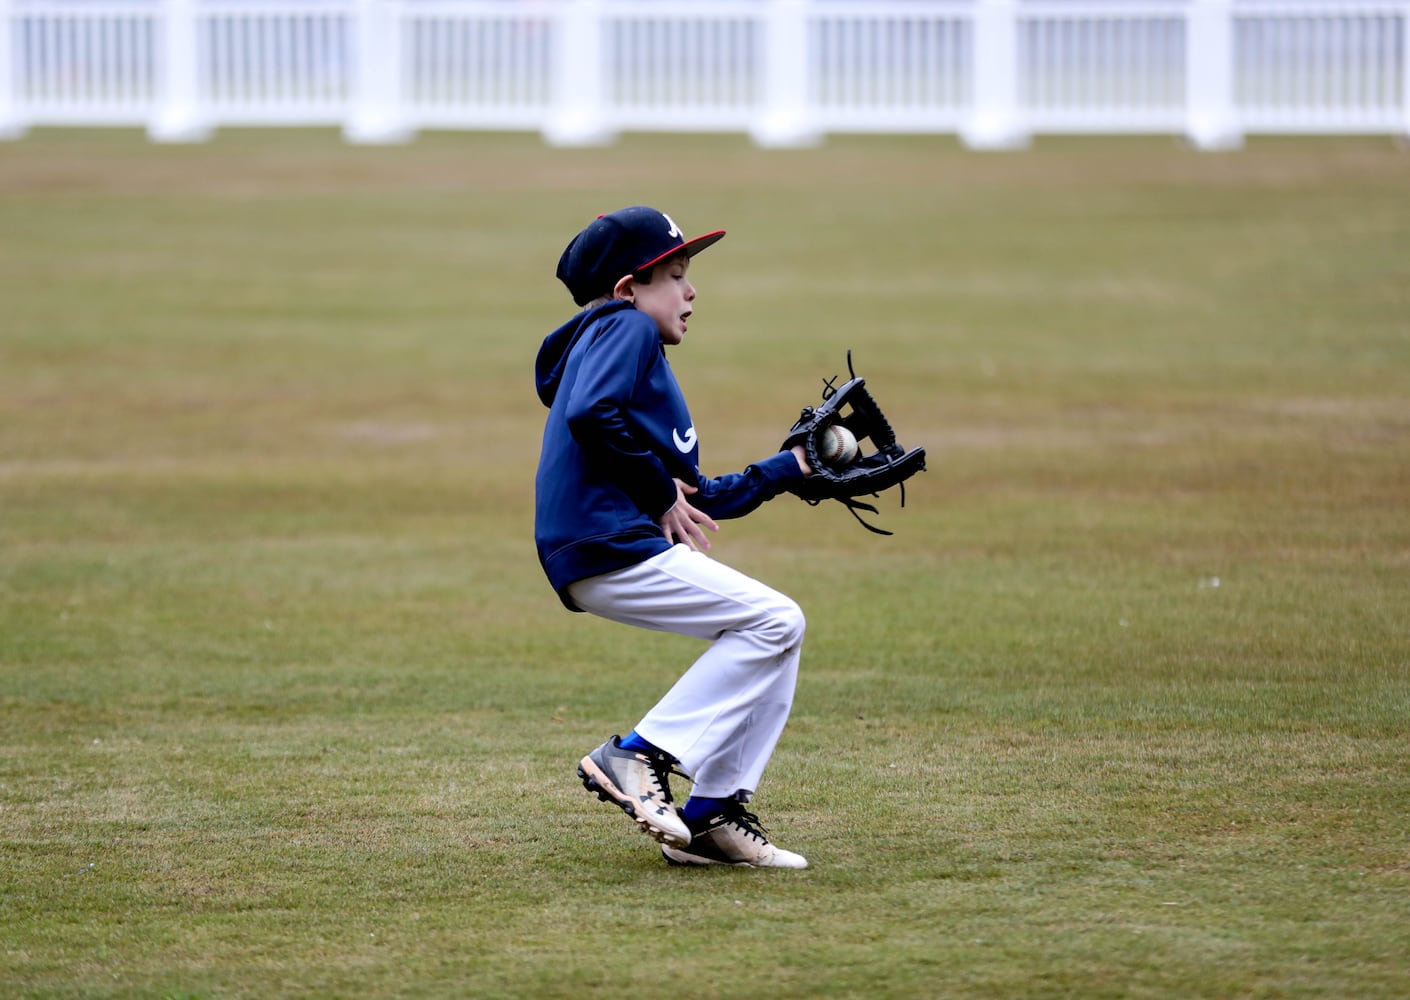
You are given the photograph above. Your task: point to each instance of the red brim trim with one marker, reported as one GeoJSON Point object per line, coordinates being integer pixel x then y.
{"type": "Point", "coordinates": [690, 247]}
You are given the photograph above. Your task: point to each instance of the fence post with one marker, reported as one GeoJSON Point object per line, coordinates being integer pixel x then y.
{"type": "Point", "coordinates": [1404, 137]}
{"type": "Point", "coordinates": [1211, 121]}
{"type": "Point", "coordinates": [994, 120]}
{"type": "Point", "coordinates": [579, 88]}
{"type": "Point", "coordinates": [177, 116]}
{"type": "Point", "coordinates": [785, 120]}
{"type": "Point", "coordinates": [376, 117]}
{"type": "Point", "coordinates": [11, 126]}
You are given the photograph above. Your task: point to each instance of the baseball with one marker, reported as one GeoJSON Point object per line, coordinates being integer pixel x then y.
{"type": "Point", "coordinates": [838, 446]}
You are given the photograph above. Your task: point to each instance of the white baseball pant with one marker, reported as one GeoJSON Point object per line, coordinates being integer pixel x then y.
{"type": "Point", "coordinates": [724, 716]}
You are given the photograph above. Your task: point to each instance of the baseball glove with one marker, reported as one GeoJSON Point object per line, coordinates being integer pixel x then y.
{"type": "Point", "coordinates": [858, 471]}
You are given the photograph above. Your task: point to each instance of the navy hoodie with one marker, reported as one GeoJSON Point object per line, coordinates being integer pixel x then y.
{"type": "Point", "coordinates": [617, 436]}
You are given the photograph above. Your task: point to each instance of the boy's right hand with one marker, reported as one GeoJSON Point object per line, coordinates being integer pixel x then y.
{"type": "Point", "coordinates": [682, 523]}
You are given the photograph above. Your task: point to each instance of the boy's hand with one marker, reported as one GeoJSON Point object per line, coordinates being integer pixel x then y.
{"type": "Point", "coordinates": [801, 453]}
{"type": "Point", "coordinates": [682, 522]}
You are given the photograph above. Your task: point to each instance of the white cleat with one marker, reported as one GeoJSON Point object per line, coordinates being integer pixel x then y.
{"type": "Point", "coordinates": [732, 837]}
{"type": "Point", "coordinates": [639, 783]}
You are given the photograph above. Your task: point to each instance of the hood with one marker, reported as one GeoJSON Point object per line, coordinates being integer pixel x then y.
{"type": "Point", "coordinates": [553, 355]}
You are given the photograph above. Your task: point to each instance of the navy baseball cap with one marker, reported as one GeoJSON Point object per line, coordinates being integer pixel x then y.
{"type": "Point", "coordinates": [620, 243]}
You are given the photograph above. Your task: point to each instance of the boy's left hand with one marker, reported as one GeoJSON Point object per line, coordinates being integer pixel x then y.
{"type": "Point", "coordinates": [682, 523]}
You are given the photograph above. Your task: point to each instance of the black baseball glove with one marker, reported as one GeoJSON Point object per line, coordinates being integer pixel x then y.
{"type": "Point", "coordinates": [843, 471]}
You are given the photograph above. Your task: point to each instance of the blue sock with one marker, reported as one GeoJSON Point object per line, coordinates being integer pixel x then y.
{"type": "Point", "coordinates": [635, 742]}
{"type": "Point", "coordinates": [697, 809]}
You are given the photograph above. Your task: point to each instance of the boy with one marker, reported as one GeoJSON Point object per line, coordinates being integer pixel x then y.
{"type": "Point", "coordinates": [620, 522]}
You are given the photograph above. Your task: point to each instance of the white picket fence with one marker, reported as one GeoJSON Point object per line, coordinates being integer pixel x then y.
{"type": "Point", "coordinates": [787, 72]}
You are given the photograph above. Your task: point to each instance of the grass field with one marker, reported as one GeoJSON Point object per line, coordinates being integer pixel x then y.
{"type": "Point", "coordinates": [287, 709]}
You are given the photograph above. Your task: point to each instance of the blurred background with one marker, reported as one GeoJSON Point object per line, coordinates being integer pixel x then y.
{"type": "Point", "coordinates": [786, 72]}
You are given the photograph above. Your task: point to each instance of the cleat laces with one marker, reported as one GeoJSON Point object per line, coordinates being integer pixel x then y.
{"type": "Point", "coordinates": [747, 822]}
{"type": "Point", "coordinates": [662, 766]}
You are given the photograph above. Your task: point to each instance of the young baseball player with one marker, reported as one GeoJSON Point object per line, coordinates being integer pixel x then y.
{"type": "Point", "coordinates": [620, 521]}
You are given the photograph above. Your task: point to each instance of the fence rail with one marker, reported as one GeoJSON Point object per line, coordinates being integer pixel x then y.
{"type": "Point", "coordinates": [994, 72]}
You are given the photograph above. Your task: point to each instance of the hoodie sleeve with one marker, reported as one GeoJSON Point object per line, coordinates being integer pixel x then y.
{"type": "Point", "coordinates": [598, 409]}
{"type": "Point", "coordinates": [737, 494]}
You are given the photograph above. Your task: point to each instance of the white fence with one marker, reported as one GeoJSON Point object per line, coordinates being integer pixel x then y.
{"type": "Point", "coordinates": [787, 72]}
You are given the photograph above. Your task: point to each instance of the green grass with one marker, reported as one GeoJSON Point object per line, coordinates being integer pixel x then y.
{"type": "Point", "coordinates": [287, 709]}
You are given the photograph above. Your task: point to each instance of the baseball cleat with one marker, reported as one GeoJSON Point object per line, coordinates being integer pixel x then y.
{"type": "Point", "coordinates": [732, 837]}
{"type": "Point", "coordinates": [638, 782]}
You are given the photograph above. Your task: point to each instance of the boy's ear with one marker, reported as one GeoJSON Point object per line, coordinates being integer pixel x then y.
{"type": "Point", "coordinates": [625, 288]}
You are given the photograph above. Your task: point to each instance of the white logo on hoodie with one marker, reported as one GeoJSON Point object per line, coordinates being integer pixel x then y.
{"type": "Point", "coordinates": [684, 443]}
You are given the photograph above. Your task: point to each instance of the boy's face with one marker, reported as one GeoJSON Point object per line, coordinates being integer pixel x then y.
{"type": "Point", "coordinates": [667, 297]}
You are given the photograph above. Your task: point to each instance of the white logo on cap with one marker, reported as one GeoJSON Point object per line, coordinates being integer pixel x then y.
{"type": "Point", "coordinates": [675, 230]}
